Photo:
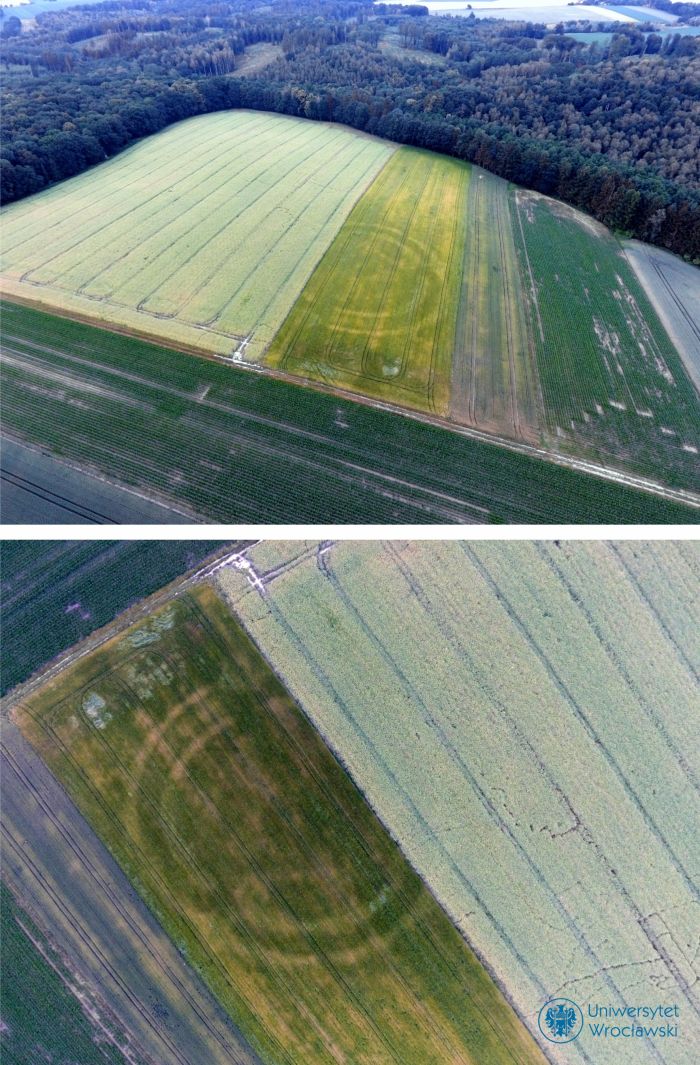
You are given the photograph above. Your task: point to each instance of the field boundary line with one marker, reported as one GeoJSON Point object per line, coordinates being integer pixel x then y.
{"type": "Point", "coordinates": [386, 770]}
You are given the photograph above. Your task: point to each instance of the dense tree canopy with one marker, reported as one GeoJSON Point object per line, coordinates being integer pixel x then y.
{"type": "Point", "coordinates": [614, 130]}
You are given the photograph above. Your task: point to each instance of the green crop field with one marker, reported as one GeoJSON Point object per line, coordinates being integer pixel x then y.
{"type": "Point", "coordinates": [202, 234]}
{"type": "Point", "coordinates": [42, 1019]}
{"type": "Point", "coordinates": [523, 717]}
{"type": "Point", "coordinates": [378, 315]}
{"type": "Point", "coordinates": [236, 446]}
{"type": "Point", "coordinates": [257, 854]}
{"type": "Point", "coordinates": [612, 381]}
{"type": "Point", "coordinates": [54, 593]}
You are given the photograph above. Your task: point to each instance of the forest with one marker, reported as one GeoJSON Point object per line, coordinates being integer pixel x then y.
{"type": "Point", "coordinates": [612, 129]}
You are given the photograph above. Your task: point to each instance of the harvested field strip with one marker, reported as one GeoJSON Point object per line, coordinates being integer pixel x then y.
{"type": "Point", "coordinates": [302, 914]}
{"type": "Point", "coordinates": [378, 314]}
{"type": "Point", "coordinates": [233, 445]}
{"type": "Point", "coordinates": [612, 380]}
{"type": "Point", "coordinates": [204, 233]}
{"type": "Point", "coordinates": [494, 378]}
{"type": "Point", "coordinates": [553, 701]}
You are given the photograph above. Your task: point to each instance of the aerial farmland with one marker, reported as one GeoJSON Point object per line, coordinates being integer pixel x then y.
{"type": "Point", "coordinates": [260, 858]}
{"type": "Point", "coordinates": [246, 822]}
{"type": "Point", "coordinates": [523, 718]}
{"type": "Point", "coordinates": [221, 443]}
{"type": "Point", "coordinates": [335, 261]}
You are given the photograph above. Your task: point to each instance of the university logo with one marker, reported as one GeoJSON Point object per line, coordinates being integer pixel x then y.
{"type": "Point", "coordinates": [560, 1020]}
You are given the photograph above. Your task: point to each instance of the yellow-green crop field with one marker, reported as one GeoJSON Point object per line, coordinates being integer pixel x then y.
{"type": "Point", "coordinates": [523, 717]}
{"type": "Point", "coordinates": [380, 311]}
{"type": "Point", "coordinates": [258, 855]}
{"type": "Point", "coordinates": [203, 234]}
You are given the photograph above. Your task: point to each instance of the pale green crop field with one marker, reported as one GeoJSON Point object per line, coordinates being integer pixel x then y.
{"type": "Point", "coordinates": [523, 717]}
{"type": "Point", "coordinates": [204, 234]}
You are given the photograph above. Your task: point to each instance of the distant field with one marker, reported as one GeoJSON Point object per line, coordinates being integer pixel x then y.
{"type": "Point", "coordinates": [258, 855]}
{"type": "Point", "coordinates": [548, 12]}
{"type": "Point", "coordinates": [643, 14]}
{"type": "Point", "coordinates": [523, 718]}
{"type": "Point", "coordinates": [256, 57]}
{"type": "Point", "coordinates": [55, 593]}
{"type": "Point", "coordinates": [605, 38]}
{"type": "Point", "coordinates": [235, 446]}
{"type": "Point", "coordinates": [202, 234]}
{"type": "Point", "coordinates": [378, 315]}
{"type": "Point", "coordinates": [612, 381]}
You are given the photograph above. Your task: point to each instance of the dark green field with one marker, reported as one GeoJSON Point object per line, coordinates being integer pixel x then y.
{"type": "Point", "coordinates": [613, 384]}
{"type": "Point", "coordinates": [55, 593]}
{"type": "Point", "coordinates": [258, 854]}
{"type": "Point", "coordinates": [236, 446]}
{"type": "Point", "coordinates": [42, 1021]}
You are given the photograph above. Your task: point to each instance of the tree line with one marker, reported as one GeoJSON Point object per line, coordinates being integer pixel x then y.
{"type": "Point", "coordinates": [611, 132]}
